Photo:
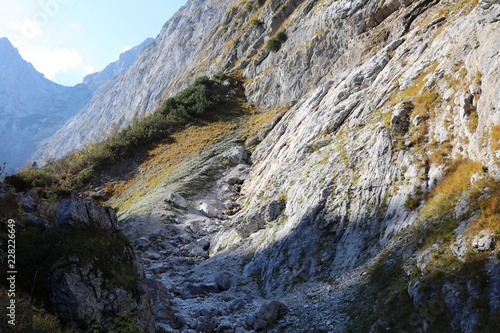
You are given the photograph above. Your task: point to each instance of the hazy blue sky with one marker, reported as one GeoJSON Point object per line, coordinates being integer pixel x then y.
{"type": "Point", "coordinates": [68, 39]}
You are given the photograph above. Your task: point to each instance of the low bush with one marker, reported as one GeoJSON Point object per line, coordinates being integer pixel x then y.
{"type": "Point", "coordinates": [74, 171]}
{"type": "Point", "coordinates": [275, 42]}
{"type": "Point", "coordinates": [257, 22]}
{"type": "Point", "coordinates": [41, 251]}
{"type": "Point", "coordinates": [28, 317]}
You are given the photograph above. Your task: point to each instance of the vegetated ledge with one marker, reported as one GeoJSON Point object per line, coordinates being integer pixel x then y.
{"type": "Point", "coordinates": [204, 100]}
{"type": "Point", "coordinates": [448, 256]}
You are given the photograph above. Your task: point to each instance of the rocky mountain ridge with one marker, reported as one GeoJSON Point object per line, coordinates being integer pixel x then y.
{"type": "Point", "coordinates": [33, 108]}
{"type": "Point", "coordinates": [95, 80]}
{"type": "Point", "coordinates": [354, 185]}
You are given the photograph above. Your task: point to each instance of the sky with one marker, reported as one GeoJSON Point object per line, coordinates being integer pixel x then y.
{"type": "Point", "coordinates": [68, 39]}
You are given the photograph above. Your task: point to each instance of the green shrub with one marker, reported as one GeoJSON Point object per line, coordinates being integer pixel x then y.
{"type": "Point", "coordinates": [221, 76]}
{"type": "Point", "coordinates": [257, 22]}
{"type": "Point", "coordinates": [413, 201]}
{"type": "Point", "coordinates": [9, 208]}
{"type": "Point", "coordinates": [31, 177]}
{"type": "Point", "coordinates": [41, 251]}
{"type": "Point", "coordinates": [28, 318]}
{"type": "Point", "coordinates": [74, 171]}
{"type": "Point", "coordinates": [81, 179]}
{"type": "Point", "coordinates": [126, 321]}
{"type": "Point", "coordinates": [275, 42]}
{"type": "Point", "coordinates": [277, 6]}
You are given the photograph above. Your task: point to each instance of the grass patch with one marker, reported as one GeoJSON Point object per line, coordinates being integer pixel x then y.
{"type": "Point", "coordinates": [29, 319]}
{"type": "Point", "coordinates": [487, 199]}
{"type": "Point", "coordinates": [445, 196]}
{"type": "Point", "coordinates": [495, 138]}
{"type": "Point", "coordinates": [76, 170]}
{"type": "Point", "coordinates": [383, 304]}
{"type": "Point", "coordinates": [162, 163]}
{"type": "Point", "coordinates": [9, 208]}
{"type": "Point", "coordinates": [275, 42]}
{"type": "Point", "coordinates": [438, 212]}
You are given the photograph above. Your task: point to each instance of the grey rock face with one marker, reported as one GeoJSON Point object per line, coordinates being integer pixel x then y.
{"type": "Point", "coordinates": [126, 59]}
{"type": "Point", "coordinates": [83, 294]}
{"type": "Point", "coordinates": [490, 10]}
{"type": "Point", "coordinates": [484, 241]}
{"type": "Point", "coordinates": [78, 213]}
{"type": "Point", "coordinates": [267, 315]}
{"type": "Point", "coordinates": [464, 318]}
{"type": "Point", "coordinates": [494, 287]}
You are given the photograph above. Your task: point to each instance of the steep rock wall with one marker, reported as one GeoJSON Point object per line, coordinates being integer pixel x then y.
{"type": "Point", "coordinates": [205, 37]}
{"type": "Point", "coordinates": [345, 169]}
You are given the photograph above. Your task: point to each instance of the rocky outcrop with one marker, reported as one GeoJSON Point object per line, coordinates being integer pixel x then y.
{"type": "Point", "coordinates": [382, 174]}
{"type": "Point", "coordinates": [350, 190]}
{"type": "Point", "coordinates": [87, 293]}
{"type": "Point", "coordinates": [81, 214]}
{"type": "Point", "coordinates": [267, 315]}
{"type": "Point", "coordinates": [345, 177]}
{"type": "Point", "coordinates": [95, 80]}
{"type": "Point", "coordinates": [87, 273]}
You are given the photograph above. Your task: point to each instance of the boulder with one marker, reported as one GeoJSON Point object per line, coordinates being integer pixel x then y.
{"type": "Point", "coordinates": [235, 156]}
{"type": "Point", "coordinates": [267, 315]}
{"type": "Point", "coordinates": [223, 281]}
{"type": "Point", "coordinates": [208, 210]}
{"type": "Point", "coordinates": [195, 226]}
{"type": "Point", "coordinates": [198, 251]}
{"type": "Point", "coordinates": [143, 243]}
{"type": "Point", "coordinates": [273, 210]}
{"type": "Point", "coordinates": [80, 214]}
{"type": "Point", "coordinates": [484, 241]}
{"type": "Point", "coordinates": [177, 200]}
{"type": "Point", "coordinates": [400, 120]}
{"type": "Point", "coordinates": [83, 296]}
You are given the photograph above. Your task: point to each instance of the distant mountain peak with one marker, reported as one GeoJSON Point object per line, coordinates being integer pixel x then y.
{"type": "Point", "coordinates": [4, 41]}
{"type": "Point", "coordinates": [7, 51]}
{"type": "Point", "coordinates": [114, 69]}
{"type": "Point", "coordinates": [33, 108]}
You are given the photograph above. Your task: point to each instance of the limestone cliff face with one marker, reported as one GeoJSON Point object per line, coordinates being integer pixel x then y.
{"type": "Point", "coordinates": [208, 36]}
{"type": "Point", "coordinates": [342, 162]}
{"type": "Point", "coordinates": [389, 143]}
{"type": "Point", "coordinates": [180, 48]}
{"type": "Point", "coordinates": [380, 170]}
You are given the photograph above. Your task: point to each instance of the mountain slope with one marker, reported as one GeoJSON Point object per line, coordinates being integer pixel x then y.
{"type": "Point", "coordinates": [140, 89]}
{"type": "Point", "coordinates": [351, 184]}
{"type": "Point", "coordinates": [344, 188]}
{"type": "Point", "coordinates": [126, 59]}
{"type": "Point", "coordinates": [32, 107]}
